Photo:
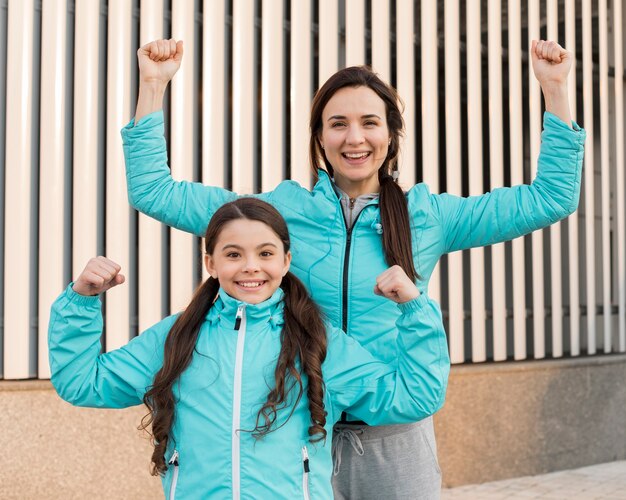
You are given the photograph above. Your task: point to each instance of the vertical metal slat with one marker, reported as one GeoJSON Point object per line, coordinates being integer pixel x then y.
{"type": "Point", "coordinates": [117, 209]}
{"type": "Point", "coordinates": [181, 147]}
{"type": "Point", "coordinates": [496, 158]}
{"type": "Point", "coordinates": [475, 162]}
{"type": "Point", "coordinates": [18, 220]}
{"type": "Point", "coordinates": [150, 286]}
{"type": "Point", "coordinates": [517, 174]}
{"type": "Point", "coordinates": [52, 225]}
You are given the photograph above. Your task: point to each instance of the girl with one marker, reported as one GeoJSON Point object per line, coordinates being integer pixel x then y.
{"type": "Point", "coordinates": [368, 224]}
{"type": "Point", "coordinates": [244, 386]}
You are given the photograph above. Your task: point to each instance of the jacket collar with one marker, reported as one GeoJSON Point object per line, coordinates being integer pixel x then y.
{"type": "Point", "coordinates": [225, 308]}
{"type": "Point", "coordinates": [330, 190]}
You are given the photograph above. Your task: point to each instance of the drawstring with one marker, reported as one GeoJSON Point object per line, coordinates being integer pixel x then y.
{"type": "Point", "coordinates": [351, 437]}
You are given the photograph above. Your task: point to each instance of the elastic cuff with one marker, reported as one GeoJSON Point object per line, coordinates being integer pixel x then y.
{"type": "Point", "coordinates": [414, 305]}
{"type": "Point", "coordinates": [554, 120]}
{"type": "Point", "coordinates": [150, 120]}
{"type": "Point", "coordinates": [77, 298]}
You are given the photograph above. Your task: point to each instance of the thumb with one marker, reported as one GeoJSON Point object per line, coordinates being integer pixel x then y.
{"type": "Point", "coordinates": [179, 51]}
{"type": "Point", "coordinates": [533, 51]}
{"type": "Point", "coordinates": [377, 291]}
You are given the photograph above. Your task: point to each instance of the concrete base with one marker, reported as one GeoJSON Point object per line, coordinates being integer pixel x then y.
{"type": "Point", "coordinates": [500, 421]}
{"type": "Point", "coordinates": [53, 450]}
{"type": "Point", "coordinates": [505, 420]}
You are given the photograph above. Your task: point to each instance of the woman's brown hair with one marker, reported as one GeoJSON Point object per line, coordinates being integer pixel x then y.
{"type": "Point", "coordinates": [303, 339]}
{"type": "Point", "coordinates": [394, 213]}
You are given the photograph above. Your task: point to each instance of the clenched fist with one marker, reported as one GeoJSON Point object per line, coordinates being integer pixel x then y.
{"type": "Point", "coordinates": [395, 285]}
{"type": "Point", "coordinates": [159, 60]}
{"type": "Point", "coordinates": [100, 274]}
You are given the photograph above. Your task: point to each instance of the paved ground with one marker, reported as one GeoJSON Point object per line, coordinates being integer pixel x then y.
{"type": "Point", "coordinates": [603, 481]}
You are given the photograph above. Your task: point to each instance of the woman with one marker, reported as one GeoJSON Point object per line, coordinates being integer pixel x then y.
{"type": "Point", "coordinates": [356, 222]}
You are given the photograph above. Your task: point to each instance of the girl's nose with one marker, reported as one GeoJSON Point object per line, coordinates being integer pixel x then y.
{"type": "Point", "coordinates": [251, 265]}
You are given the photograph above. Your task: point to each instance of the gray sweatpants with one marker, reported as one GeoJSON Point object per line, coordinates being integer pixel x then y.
{"type": "Point", "coordinates": [391, 462]}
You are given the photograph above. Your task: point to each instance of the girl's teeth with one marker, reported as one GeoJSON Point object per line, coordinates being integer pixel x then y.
{"type": "Point", "coordinates": [250, 285]}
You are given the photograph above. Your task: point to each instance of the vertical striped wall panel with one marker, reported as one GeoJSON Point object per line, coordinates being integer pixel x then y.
{"type": "Point", "coordinates": [517, 174]}
{"type": "Point", "coordinates": [150, 233]}
{"type": "Point", "coordinates": [236, 116]}
{"type": "Point", "coordinates": [18, 342]}
{"type": "Point", "coordinates": [453, 172]}
{"type": "Point", "coordinates": [537, 237]}
{"type": "Point", "coordinates": [53, 126]}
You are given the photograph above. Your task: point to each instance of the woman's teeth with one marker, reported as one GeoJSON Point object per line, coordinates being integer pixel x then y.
{"type": "Point", "coordinates": [356, 156]}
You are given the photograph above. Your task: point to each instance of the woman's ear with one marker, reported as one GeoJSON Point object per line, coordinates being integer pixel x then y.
{"type": "Point", "coordinates": [210, 266]}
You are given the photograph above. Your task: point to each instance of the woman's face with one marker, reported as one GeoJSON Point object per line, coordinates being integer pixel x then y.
{"type": "Point", "coordinates": [248, 260]}
{"type": "Point", "coordinates": [355, 138]}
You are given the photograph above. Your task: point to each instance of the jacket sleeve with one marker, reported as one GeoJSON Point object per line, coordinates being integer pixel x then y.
{"type": "Point", "coordinates": [84, 376]}
{"type": "Point", "coordinates": [386, 393]}
{"type": "Point", "coordinates": [151, 190]}
{"type": "Point", "coordinates": [507, 213]}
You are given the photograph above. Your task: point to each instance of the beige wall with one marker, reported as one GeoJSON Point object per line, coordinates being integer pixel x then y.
{"type": "Point", "coordinates": [51, 450]}
{"type": "Point", "coordinates": [526, 418]}
{"type": "Point", "coordinates": [499, 421]}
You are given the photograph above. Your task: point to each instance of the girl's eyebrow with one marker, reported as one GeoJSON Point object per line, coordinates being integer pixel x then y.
{"type": "Point", "coordinates": [341, 117]}
{"type": "Point", "coordinates": [238, 247]}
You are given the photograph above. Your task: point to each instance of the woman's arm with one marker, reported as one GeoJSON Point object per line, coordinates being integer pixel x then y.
{"type": "Point", "coordinates": [184, 205]}
{"type": "Point", "coordinates": [81, 374]}
{"type": "Point", "coordinates": [402, 392]}
{"type": "Point", "coordinates": [508, 213]}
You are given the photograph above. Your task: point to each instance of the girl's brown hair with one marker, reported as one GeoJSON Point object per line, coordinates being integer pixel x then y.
{"type": "Point", "coordinates": [303, 338]}
{"type": "Point", "coordinates": [394, 211]}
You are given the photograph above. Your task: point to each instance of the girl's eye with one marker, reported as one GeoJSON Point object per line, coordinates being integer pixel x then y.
{"type": "Point", "coordinates": [266, 254]}
{"type": "Point", "coordinates": [232, 255]}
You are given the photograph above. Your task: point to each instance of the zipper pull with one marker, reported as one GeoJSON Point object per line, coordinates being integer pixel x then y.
{"type": "Point", "coordinates": [239, 316]}
{"type": "Point", "coordinates": [305, 459]}
{"type": "Point", "coordinates": [352, 202]}
{"type": "Point", "coordinates": [173, 459]}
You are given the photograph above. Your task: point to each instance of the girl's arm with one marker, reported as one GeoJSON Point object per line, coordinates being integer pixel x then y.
{"type": "Point", "coordinates": [402, 392]}
{"type": "Point", "coordinates": [81, 374]}
{"type": "Point", "coordinates": [187, 206]}
{"type": "Point", "coordinates": [508, 213]}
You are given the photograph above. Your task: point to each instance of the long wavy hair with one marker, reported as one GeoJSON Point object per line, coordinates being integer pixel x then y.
{"type": "Point", "coordinates": [303, 339]}
{"type": "Point", "coordinates": [394, 213]}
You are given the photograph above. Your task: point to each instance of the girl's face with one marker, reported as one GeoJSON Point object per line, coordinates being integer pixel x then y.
{"type": "Point", "coordinates": [355, 138]}
{"type": "Point", "coordinates": [248, 260]}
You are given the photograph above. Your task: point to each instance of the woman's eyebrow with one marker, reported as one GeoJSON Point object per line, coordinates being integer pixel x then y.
{"type": "Point", "coordinates": [341, 117]}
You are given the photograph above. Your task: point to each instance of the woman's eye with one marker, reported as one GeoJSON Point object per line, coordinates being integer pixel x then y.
{"type": "Point", "coordinates": [370, 124]}
{"type": "Point", "coordinates": [337, 124]}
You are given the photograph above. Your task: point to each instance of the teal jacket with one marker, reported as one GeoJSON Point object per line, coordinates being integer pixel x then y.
{"type": "Point", "coordinates": [340, 267]}
{"type": "Point", "coordinates": [219, 395]}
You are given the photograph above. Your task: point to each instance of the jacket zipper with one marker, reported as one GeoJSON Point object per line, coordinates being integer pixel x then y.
{"type": "Point", "coordinates": [240, 327]}
{"type": "Point", "coordinates": [305, 474]}
{"type": "Point", "coordinates": [346, 266]}
{"type": "Point", "coordinates": [173, 461]}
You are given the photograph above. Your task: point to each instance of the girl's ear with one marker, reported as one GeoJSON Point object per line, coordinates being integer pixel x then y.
{"type": "Point", "coordinates": [210, 266]}
{"type": "Point", "coordinates": [287, 263]}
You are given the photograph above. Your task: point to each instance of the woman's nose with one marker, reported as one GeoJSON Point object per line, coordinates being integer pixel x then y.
{"type": "Point", "coordinates": [355, 135]}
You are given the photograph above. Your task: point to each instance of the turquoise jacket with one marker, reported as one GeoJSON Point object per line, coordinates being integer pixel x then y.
{"type": "Point", "coordinates": [219, 395]}
{"type": "Point", "coordinates": [340, 267]}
